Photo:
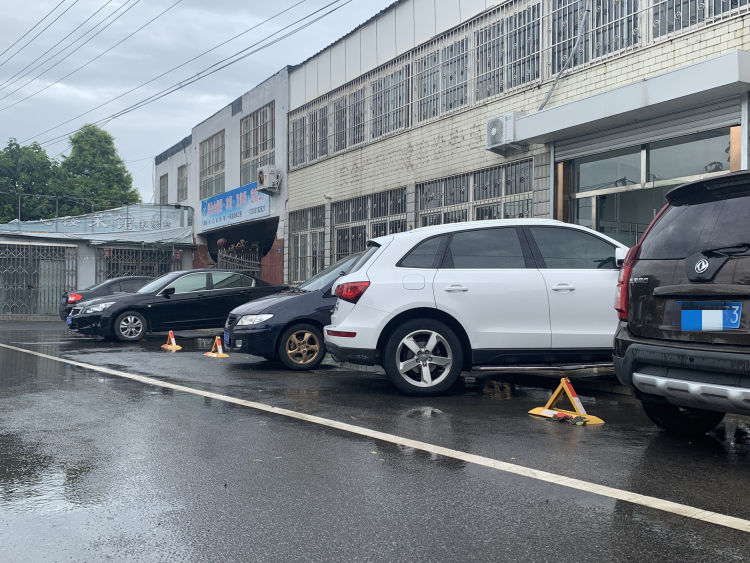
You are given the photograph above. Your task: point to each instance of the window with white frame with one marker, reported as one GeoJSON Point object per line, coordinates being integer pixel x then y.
{"type": "Point", "coordinates": [163, 189]}
{"type": "Point", "coordinates": [182, 183]}
{"type": "Point", "coordinates": [212, 166]}
{"type": "Point", "coordinates": [428, 85]}
{"type": "Point", "coordinates": [257, 142]}
{"type": "Point", "coordinates": [488, 58]}
{"type": "Point", "coordinates": [355, 220]}
{"type": "Point", "coordinates": [339, 124]}
{"type": "Point", "coordinates": [306, 243]}
{"type": "Point", "coordinates": [389, 102]}
{"type": "Point", "coordinates": [298, 140]}
{"type": "Point", "coordinates": [455, 69]}
{"type": "Point", "coordinates": [357, 116]}
{"type": "Point", "coordinates": [523, 46]}
{"type": "Point", "coordinates": [318, 124]}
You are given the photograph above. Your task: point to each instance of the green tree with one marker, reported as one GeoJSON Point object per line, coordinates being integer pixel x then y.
{"type": "Point", "coordinates": [27, 171]}
{"type": "Point", "coordinates": [94, 174]}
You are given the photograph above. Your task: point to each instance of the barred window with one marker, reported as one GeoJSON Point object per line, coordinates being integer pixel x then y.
{"type": "Point", "coordinates": [518, 177]}
{"type": "Point", "coordinates": [257, 141]}
{"type": "Point", "coordinates": [306, 243]}
{"type": "Point", "coordinates": [389, 99]}
{"type": "Point", "coordinates": [318, 119]}
{"type": "Point", "coordinates": [488, 184]}
{"type": "Point", "coordinates": [163, 189]}
{"type": "Point", "coordinates": [523, 46]}
{"type": "Point", "coordinates": [298, 141]}
{"type": "Point", "coordinates": [428, 85]}
{"type": "Point", "coordinates": [339, 124]}
{"type": "Point", "coordinates": [182, 183]}
{"type": "Point", "coordinates": [454, 75]}
{"type": "Point", "coordinates": [489, 61]}
{"type": "Point", "coordinates": [357, 116]}
{"type": "Point", "coordinates": [212, 166]}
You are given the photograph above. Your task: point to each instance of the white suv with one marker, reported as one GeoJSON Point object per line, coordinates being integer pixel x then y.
{"type": "Point", "coordinates": [429, 303]}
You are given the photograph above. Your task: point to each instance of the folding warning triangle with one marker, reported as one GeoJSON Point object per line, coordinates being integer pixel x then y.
{"type": "Point", "coordinates": [171, 345]}
{"type": "Point", "coordinates": [217, 351]}
{"type": "Point", "coordinates": [550, 411]}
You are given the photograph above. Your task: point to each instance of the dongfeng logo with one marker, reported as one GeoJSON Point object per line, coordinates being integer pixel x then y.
{"type": "Point", "coordinates": [701, 266]}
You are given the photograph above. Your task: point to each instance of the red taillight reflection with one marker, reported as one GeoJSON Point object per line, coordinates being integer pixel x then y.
{"type": "Point", "coordinates": [73, 297]}
{"type": "Point", "coordinates": [351, 291]}
{"type": "Point", "coordinates": [342, 333]}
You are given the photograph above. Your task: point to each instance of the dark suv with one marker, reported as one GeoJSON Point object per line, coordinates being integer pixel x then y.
{"type": "Point", "coordinates": [683, 298]}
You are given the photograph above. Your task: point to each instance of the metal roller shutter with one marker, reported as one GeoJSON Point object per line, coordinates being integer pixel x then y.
{"type": "Point", "coordinates": [723, 113]}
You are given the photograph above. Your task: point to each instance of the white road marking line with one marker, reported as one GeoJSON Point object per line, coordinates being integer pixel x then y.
{"type": "Point", "coordinates": [610, 492]}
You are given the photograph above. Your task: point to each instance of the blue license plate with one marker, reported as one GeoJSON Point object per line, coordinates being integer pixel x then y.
{"type": "Point", "coordinates": [69, 321]}
{"type": "Point", "coordinates": [226, 339]}
{"type": "Point", "coordinates": [702, 316]}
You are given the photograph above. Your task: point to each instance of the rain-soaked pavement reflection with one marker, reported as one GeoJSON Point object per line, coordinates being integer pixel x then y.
{"type": "Point", "coordinates": [95, 467]}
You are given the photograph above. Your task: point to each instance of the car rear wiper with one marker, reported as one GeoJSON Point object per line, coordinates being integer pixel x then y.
{"type": "Point", "coordinates": [739, 248]}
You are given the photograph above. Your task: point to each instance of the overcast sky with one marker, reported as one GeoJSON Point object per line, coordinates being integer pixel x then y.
{"type": "Point", "coordinates": [183, 32]}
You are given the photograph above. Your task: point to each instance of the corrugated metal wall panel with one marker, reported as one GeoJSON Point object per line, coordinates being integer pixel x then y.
{"type": "Point", "coordinates": [720, 114]}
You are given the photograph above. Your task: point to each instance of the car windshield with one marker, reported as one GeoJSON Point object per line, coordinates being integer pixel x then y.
{"type": "Point", "coordinates": [154, 285]}
{"type": "Point", "coordinates": [328, 275]}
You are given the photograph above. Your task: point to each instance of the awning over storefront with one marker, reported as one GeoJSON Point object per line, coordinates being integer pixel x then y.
{"type": "Point", "coordinates": [697, 85]}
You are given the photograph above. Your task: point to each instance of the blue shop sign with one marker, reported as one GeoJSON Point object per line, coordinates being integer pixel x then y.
{"type": "Point", "coordinates": [235, 206]}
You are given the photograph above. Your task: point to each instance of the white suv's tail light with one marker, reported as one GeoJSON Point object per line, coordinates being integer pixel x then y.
{"type": "Point", "coordinates": [351, 291]}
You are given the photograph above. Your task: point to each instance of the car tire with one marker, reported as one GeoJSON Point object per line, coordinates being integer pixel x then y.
{"type": "Point", "coordinates": [301, 347]}
{"type": "Point", "coordinates": [129, 326]}
{"type": "Point", "coordinates": [681, 420]}
{"type": "Point", "coordinates": [440, 350]}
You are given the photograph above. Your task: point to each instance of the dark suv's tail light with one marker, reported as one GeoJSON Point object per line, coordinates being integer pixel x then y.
{"type": "Point", "coordinates": [73, 297]}
{"type": "Point", "coordinates": [622, 294]}
{"type": "Point", "coordinates": [351, 291]}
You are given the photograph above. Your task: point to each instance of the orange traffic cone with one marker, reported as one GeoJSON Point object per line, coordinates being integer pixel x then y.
{"type": "Point", "coordinates": [217, 351]}
{"type": "Point", "coordinates": [171, 345]}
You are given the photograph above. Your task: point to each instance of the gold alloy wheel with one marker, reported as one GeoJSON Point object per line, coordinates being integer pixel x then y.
{"type": "Point", "coordinates": [302, 347]}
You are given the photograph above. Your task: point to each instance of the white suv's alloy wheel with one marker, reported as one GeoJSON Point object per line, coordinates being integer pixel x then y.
{"type": "Point", "coordinates": [424, 357]}
{"type": "Point", "coordinates": [423, 361]}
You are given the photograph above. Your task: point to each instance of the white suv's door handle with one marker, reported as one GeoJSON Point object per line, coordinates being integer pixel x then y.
{"type": "Point", "coordinates": [456, 289]}
{"type": "Point", "coordinates": [563, 287]}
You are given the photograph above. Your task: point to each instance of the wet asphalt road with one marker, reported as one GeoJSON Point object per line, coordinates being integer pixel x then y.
{"type": "Point", "coordinates": [96, 467]}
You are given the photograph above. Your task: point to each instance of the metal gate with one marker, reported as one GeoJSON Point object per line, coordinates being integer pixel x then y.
{"type": "Point", "coordinates": [115, 262]}
{"type": "Point", "coordinates": [247, 261]}
{"type": "Point", "coordinates": [33, 278]}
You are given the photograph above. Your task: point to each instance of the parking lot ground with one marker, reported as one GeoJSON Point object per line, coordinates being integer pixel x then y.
{"type": "Point", "coordinates": [97, 465]}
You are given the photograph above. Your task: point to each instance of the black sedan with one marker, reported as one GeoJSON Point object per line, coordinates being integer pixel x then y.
{"type": "Point", "coordinates": [288, 326]}
{"type": "Point", "coordinates": [126, 284]}
{"type": "Point", "coordinates": [185, 300]}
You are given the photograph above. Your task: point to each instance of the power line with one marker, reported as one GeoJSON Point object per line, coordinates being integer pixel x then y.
{"type": "Point", "coordinates": [11, 80]}
{"type": "Point", "coordinates": [40, 32]}
{"type": "Point", "coordinates": [32, 28]}
{"type": "Point", "coordinates": [85, 64]}
{"type": "Point", "coordinates": [240, 55]}
{"type": "Point", "coordinates": [166, 72]}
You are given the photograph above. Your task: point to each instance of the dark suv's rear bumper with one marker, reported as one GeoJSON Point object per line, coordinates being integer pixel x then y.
{"type": "Point", "coordinates": [684, 374]}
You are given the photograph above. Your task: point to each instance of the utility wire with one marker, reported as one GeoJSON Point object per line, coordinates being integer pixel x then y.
{"type": "Point", "coordinates": [11, 80]}
{"type": "Point", "coordinates": [166, 72]}
{"type": "Point", "coordinates": [41, 31]}
{"type": "Point", "coordinates": [32, 28]}
{"type": "Point", "coordinates": [76, 49]}
{"type": "Point", "coordinates": [216, 67]}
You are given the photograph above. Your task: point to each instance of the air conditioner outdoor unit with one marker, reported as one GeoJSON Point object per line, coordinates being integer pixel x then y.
{"type": "Point", "coordinates": [501, 133]}
{"type": "Point", "coordinates": [269, 180]}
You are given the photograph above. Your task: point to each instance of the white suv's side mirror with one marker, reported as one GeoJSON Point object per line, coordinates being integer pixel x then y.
{"type": "Point", "coordinates": [620, 254]}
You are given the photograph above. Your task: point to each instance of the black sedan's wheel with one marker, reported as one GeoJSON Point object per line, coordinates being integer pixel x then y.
{"type": "Point", "coordinates": [301, 347]}
{"type": "Point", "coordinates": [129, 326]}
{"type": "Point", "coordinates": [423, 357]}
{"type": "Point", "coordinates": [681, 420]}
